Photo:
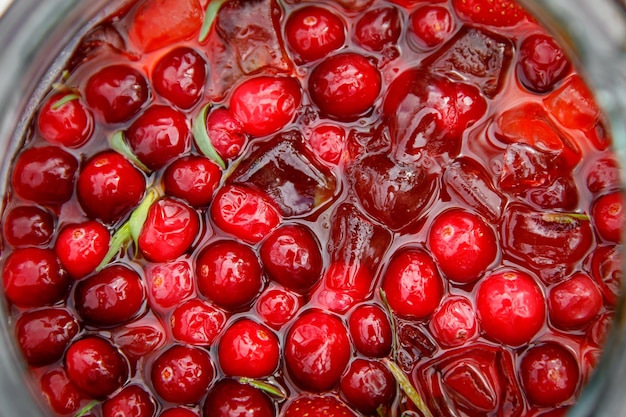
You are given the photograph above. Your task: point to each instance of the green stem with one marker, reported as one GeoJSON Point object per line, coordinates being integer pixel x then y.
{"type": "Point", "coordinates": [63, 100]}
{"type": "Point", "coordinates": [407, 387]}
{"type": "Point", "coordinates": [201, 136]}
{"type": "Point", "coordinates": [118, 143]}
{"type": "Point", "coordinates": [274, 390]}
{"type": "Point", "coordinates": [86, 408]}
{"type": "Point", "coordinates": [209, 18]}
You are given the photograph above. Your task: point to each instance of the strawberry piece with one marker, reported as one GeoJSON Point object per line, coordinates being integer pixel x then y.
{"type": "Point", "coordinates": [318, 406]}
{"type": "Point", "coordinates": [499, 13]}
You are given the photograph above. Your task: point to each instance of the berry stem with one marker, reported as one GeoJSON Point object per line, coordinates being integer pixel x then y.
{"type": "Point", "coordinates": [118, 143]}
{"type": "Point", "coordinates": [65, 99]}
{"type": "Point", "coordinates": [407, 387]}
{"type": "Point", "coordinates": [201, 136]}
{"type": "Point", "coordinates": [274, 389]}
{"type": "Point", "coordinates": [87, 408]}
{"type": "Point", "coordinates": [209, 18]}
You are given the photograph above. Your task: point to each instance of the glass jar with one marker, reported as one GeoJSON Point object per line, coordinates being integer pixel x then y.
{"type": "Point", "coordinates": [35, 37]}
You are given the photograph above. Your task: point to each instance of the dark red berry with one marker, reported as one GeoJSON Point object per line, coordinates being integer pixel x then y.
{"type": "Point", "coordinates": [276, 306]}
{"type": "Point", "coordinates": [179, 76]}
{"type": "Point", "coordinates": [197, 322]}
{"type": "Point", "coordinates": [43, 335]}
{"type": "Point", "coordinates": [33, 277]}
{"type": "Point", "coordinates": [60, 392]}
{"type": "Point", "coordinates": [229, 274]}
{"type": "Point", "coordinates": [541, 63]}
{"type": "Point", "coordinates": [192, 178]}
{"type": "Point", "coordinates": [109, 186]}
{"type": "Point", "coordinates": [345, 86]}
{"type": "Point", "coordinates": [168, 283]}
{"type": "Point", "coordinates": [313, 32]}
{"type": "Point", "coordinates": [96, 366]}
{"type": "Point", "coordinates": [430, 26]}
{"type": "Point", "coordinates": [81, 247]}
{"type": "Point", "coordinates": [64, 120]}
{"type": "Point", "coordinates": [110, 297]}
{"type": "Point", "coordinates": [368, 386]}
{"type": "Point", "coordinates": [132, 401]}
{"type": "Point", "coordinates": [178, 412]}
{"type": "Point", "coordinates": [454, 323]}
{"type": "Point", "coordinates": [28, 226]}
{"type": "Point", "coordinates": [248, 349]}
{"type": "Point", "coordinates": [226, 133]}
{"type": "Point", "coordinates": [575, 302]}
{"type": "Point", "coordinates": [378, 28]}
{"type": "Point", "coordinates": [370, 330]}
{"type": "Point", "coordinates": [228, 398]}
{"type": "Point", "coordinates": [182, 374]}
{"type": "Point", "coordinates": [44, 175]}
{"type": "Point", "coordinates": [117, 93]}
{"type": "Point", "coordinates": [327, 142]}
{"type": "Point", "coordinates": [140, 337]}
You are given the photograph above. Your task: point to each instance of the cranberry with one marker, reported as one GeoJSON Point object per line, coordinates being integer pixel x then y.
{"type": "Point", "coordinates": [462, 244]}
{"type": "Point", "coordinates": [412, 284]}
{"type": "Point", "coordinates": [44, 175]}
{"type": "Point", "coordinates": [368, 386]}
{"type": "Point", "coordinates": [343, 285]}
{"type": "Point", "coordinates": [603, 174]}
{"type": "Point", "coordinates": [228, 398]}
{"type": "Point", "coordinates": [33, 277]}
{"type": "Point", "coordinates": [179, 76]}
{"type": "Point", "coordinates": [28, 226]}
{"type": "Point", "coordinates": [132, 401]}
{"type": "Point", "coordinates": [276, 306]}
{"type": "Point", "coordinates": [81, 247]}
{"type": "Point", "coordinates": [327, 142]}
{"type": "Point", "coordinates": [313, 32]}
{"type": "Point", "coordinates": [182, 374]}
{"type": "Point", "coordinates": [197, 322]}
{"type": "Point", "coordinates": [313, 405]}
{"type": "Point", "coordinates": [370, 331]}
{"type": "Point", "coordinates": [454, 322]}
{"type": "Point", "coordinates": [541, 63]}
{"type": "Point", "coordinates": [112, 296]}
{"type": "Point", "coordinates": [192, 178]}
{"type": "Point", "coordinates": [60, 392]}
{"type": "Point", "coordinates": [608, 216]}
{"type": "Point", "coordinates": [43, 335]}
{"type": "Point", "coordinates": [248, 349]}
{"type": "Point", "coordinates": [511, 306]}
{"type": "Point", "coordinates": [345, 86]}
{"type": "Point", "coordinates": [265, 104]}
{"type": "Point", "coordinates": [549, 374]}
{"type": "Point", "coordinates": [168, 283]}
{"type": "Point", "coordinates": [430, 26]}
{"type": "Point", "coordinates": [140, 337]}
{"type": "Point", "coordinates": [245, 213]}
{"type": "Point", "coordinates": [170, 229]}
{"type": "Point", "coordinates": [378, 28]}
{"type": "Point", "coordinates": [95, 366]}
{"type": "Point", "coordinates": [229, 274]}
{"type": "Point", "coordinates": [574, 302]}
{"type": "Point", "coordinates": [159, 135]}
{"type": "Point", "coordinates": [291, 256]}
{"type": "Point", "coordinates": [317, 350]}
{"type": "Point", "coordinates": [606, 269]}
{"type": "Point", "coordinates": [178, 412]}
{"type": "Point", "coordinates": [226, 133]}
{"type": "Point", "coordinates": [109, 186]}
{"type": "Point", "coordinates": [117, 93]}
{"type": "Point", "coordinates": [64, 120]}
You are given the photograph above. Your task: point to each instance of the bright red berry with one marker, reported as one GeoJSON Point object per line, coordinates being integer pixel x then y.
{"type": "Point", "coordinates": [318, 406]}
{"type": "Point", "coordinates": [63, 396]}
{"type": "Point", "coordinates": [574, 302]}
{"type": "Point", "coordinates": [276, 306]}
{"type": "Point", "coordinates": [132, 401]}
{"type": "Point", "coordinates": [193, 178]}
{"type": "Point", "coordinates": [370, 330]}
{"type": "Point", "coordinates": [327, 142]}
{"type": "Point", "coordinates": [454, 323]}
{"type": "Point", "coordinates": [226, 133]}
{"type": "Point", "coordinates": [501, 13]}
{"type": "Point", "coordinates": [368, 385]}
{"type": "Point", "coordinates": [64, 120]}
{"type": "Point", "coordinates": [168, 283]}
{"type": "Point", "coordinates": [608, 216]}
{"type": "Point", "coordinates": [313, 32]}
{"type": "Point", "coordinates": [197, 322]}
{"type": "Point", "coordinates": [227, 398]}
{"type": "Point", "coordinates": [81, 247]}
{"type": "Point", "coordinates": [179, 76]}
{"type": "Point", "coordinates": [430, 26]}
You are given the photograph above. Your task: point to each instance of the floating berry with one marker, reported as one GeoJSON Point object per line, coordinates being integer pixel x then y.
{"type": "Point", "coordinates": [313, 32]}
{"type": "Point", "coordinates": [327, 142]}
{"type": "Point", "coordinates": [276, 306]}
{"type": "Point", "coordinates": [318, 406]}
{"type": "Point", "coordinates": [28, 226]}
{"type": "Point", "coordinates": [370, 330]}
{"type": "Point", "coordinates": [132, 401]}
{"type": "Point", "coordinates": [454, 323]}
{"type": "Point", "coordinates": [64, 120]}
{"type": "Point", "coordinates": [430, 26]}
{"type": "Point", "coordinates": [378, 28]}
{"type": "Point", "coordinates": [168, 283]}
{"type": "Point", "coordinates": [574, 302]}
{"type": "Point", "coordinates": [197, 322]}
{"type": "Point", "coordinates": [608, 216]}
{"type": "Point", "coordinates": [179, 76]}
{"type": "Point", "coordinates": [541, 63]}
{"type": "Point", "coordinates": [359, 389]}
{"type": "Point", "coordinates": [226, 133]}
{"type": "Point", "coordinates": [193, 178]}
{"type": "Point", "coordinates": [228, 397]}
{"type": "Point", "coordinates": [81, 247]}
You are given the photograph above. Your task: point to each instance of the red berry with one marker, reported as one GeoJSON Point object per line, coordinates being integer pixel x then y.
{"type": "Point", "coordinates": [342, 286]}
{"type": "Point", "coordinates": [462, 244]}
{"type": "Point", "coordinates": [378, 28]}
{"type": "Point", "coordinates": [317, 406]}
{"type": "Point", "coordinates": [226, 133]}
{"type": "Point", "coordinates": [197, 322]}
{"type": "Point", "coordinates": [33, 277]}
{"type": "Point", "coordinates": [81, 247]}
{"type": "Point", "coordinates": [64, 120]}
{"type": "Point", "coordinates": [608, 216]}
{"type": "Point", "coordinates": [229, 398]}
{"type": "Point", "coordinates": [229, 274]}
{"type": "Point", "coordinates": [60, 392]}
{"type": "Point", "coordinates": [327, 142]}
{"type": "Point", "coordinates": [549, 373]}
{"type": "Point", "coordinates": [370, 330]}
{"type": "Point", "coordinates": [313, 32]}
{"type": "Point", "coordinates": [430, 26]}
{"type": "Point", "coordinates": [248, 349]}
{"type": "Point", "coordinates": [192, 178]}
{"type": "Point", "coordinates": [28, 226]}
{"type": "Point", "coordinates": [541, 63]}
{"type": "Point", "coordinates": [368, 386]}
{"type": "Point", "coordinates": [182, 374]}
{"type": "Point", "coordinates": [574, 302]}
{"type": "Point", "coordinates": [110, 297]}
{"type": "Point", "coordinates": [109, 186]}
{"type": "Point", "coordinates": [132, 401]}
{"type": "Point", "coordinates": [168, 283]}
{"type": "Point", "coordinates": [117, 93]}
{"type": "Point", "coordinates": [291, 256]}
{"type": "Point", "coordinates": [454, 323]}
{"type": "Point", "coordinates": [511, 307]}
{"type": "Point", "coordinates": [603, 175]}
{"type": "Point", "coordinates": [169, 230]}
{"type": "Point", "coordinates": [43, 335]}
{"type": "Point", "coordinates": [159, 135]}
{"type": "Point", "coordinates": [276, 306]}
{"type": "Point", "coordinates": [178, 412]}
{"type": "Point", "coordinates": [96, 366]}
{"type": "Point", "coordinates": [345, 86]}
{"type": "Point", "coordinates": [140, 337]}
{"type": "Point", "coordinates": [44, 175]}
{"type": "Point", "coordinates": [179, 76]}
{"type": "Point", "coordinates": [265, 104]}
{"type": "Point", "coordinates": [317, 350]}
{"type": "Point", "coordinates": [502, 13]}
{"type": "Point", "coordinates": [412, 284]}
{"type": "Point", "coordinates": [245, 213]}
